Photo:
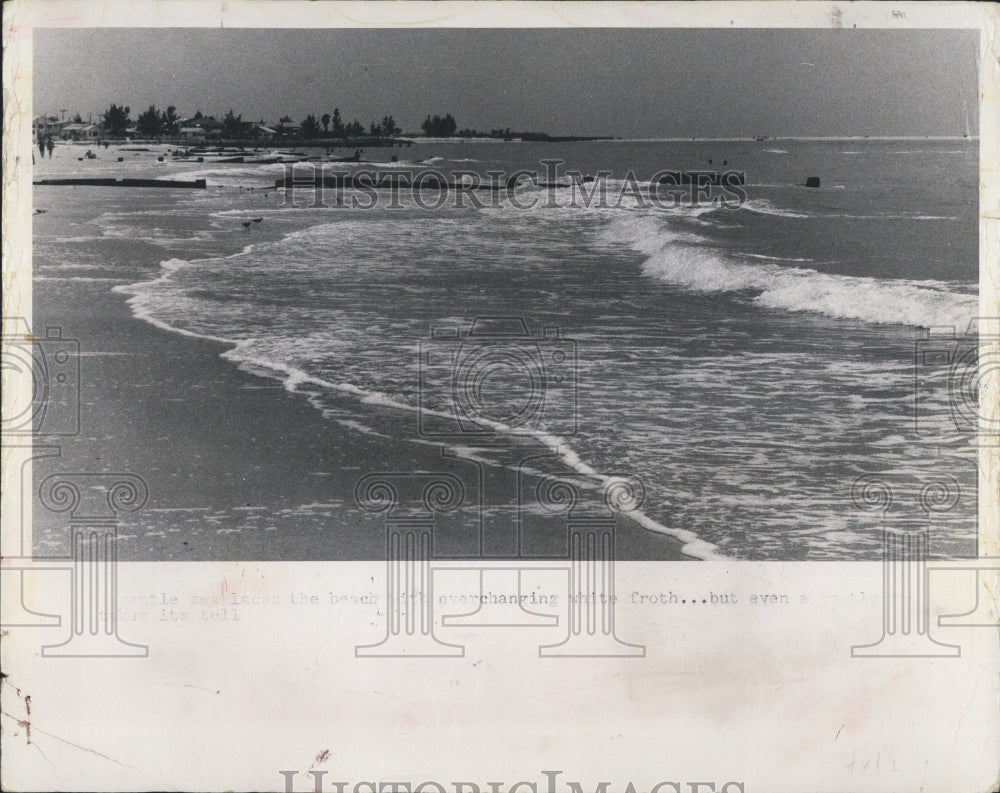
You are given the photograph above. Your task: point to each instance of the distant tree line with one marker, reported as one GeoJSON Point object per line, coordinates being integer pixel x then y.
{"type": "Point", "coordinates": [333, 126]}
{"type": "Point", "coordinates": [438, 127]}
{"type": "Point", "coordinates": [166, 123]}
{"type": "Point", "coordinates": [153, 123]}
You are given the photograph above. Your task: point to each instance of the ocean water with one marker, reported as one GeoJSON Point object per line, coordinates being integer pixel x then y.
{"type": "Point", "coordinates": [747, 362]}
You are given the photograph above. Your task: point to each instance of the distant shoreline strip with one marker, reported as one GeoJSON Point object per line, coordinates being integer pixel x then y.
{"type": "Point", "coordinates": [197, 184]}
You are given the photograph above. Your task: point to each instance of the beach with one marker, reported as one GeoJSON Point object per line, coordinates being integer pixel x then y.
{"type": "Point", "coordinates": [237, 467]}
{"type": "Point", "coordinates": [745, 364]}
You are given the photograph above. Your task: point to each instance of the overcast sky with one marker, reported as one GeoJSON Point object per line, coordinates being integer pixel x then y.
{"type": "Point", "coordinates": [625, 83]}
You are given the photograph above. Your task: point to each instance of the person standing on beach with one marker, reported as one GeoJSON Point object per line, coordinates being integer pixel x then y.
{"type": "Point", "coordinates": [50, 145]}
{"type": "Point", "coordinates": [41, 147]}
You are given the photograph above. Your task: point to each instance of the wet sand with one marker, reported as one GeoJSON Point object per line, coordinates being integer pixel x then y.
{"type": "Point", "coordinates": [238, 467]}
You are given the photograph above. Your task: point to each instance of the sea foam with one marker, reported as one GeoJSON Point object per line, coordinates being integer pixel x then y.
{"type": "Point", "coordinates": [673, 257]}
{"type": "Point", "coordinates": [248, 355]}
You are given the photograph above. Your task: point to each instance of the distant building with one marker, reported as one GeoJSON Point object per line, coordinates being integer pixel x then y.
{"type": "Point", "coordinates": [80, 132]}
{"type": "Point", "coordinates": [212, 127]}
{"type": "Point", "coordinates": [261, 132]}
{"type": "Point", "coordinates": [43, 126]}
{"type": "Point", "coordinates": [201, 128]}
{"type": "Point", "coordinates": [288, 131]}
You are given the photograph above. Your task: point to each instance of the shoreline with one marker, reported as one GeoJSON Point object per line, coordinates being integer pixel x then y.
{"type": "Point", "coordinates": [238, 467]}
{"type": "Point", "coordinates": [414, 141]}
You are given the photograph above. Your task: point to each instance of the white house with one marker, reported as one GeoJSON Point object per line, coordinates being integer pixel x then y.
{"type": "Point", "coordinates": [80, 132]}
{"type": "Point", "coordinates": [43, 126]}
{"type": "Point", "coordinates": [260, 131]}
{"type": "Point", "coordinates": [90, 132]}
